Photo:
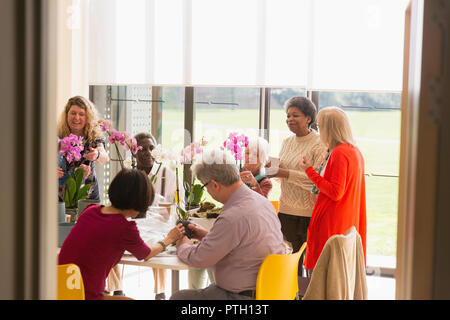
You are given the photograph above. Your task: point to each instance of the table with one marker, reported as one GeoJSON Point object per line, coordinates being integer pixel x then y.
{"type": "Point", "coordinates": [161, 261]}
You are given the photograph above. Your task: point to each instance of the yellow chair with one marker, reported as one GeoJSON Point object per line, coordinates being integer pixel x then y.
{"type": "Point", "coordinates": [70, 283]}
{"type": "Point", "coordinates": [275, 205]}
{"type": "Point", "coordinates": [278, 276]}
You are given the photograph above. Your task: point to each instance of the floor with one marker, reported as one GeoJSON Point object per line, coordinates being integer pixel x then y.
{"type": "Point", "coordinates": [138, 284]}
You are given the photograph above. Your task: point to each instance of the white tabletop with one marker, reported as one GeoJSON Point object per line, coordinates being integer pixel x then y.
{"type": "Point", "coordinates": [161, 261]}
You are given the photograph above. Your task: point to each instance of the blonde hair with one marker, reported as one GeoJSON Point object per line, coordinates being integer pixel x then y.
{"type": "Point", "coordinates": [334, 127]}
{"type": "Point", "coordinates": [91, 132]}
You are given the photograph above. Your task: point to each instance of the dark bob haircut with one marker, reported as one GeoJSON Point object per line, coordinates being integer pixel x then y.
{"type": "Point", "coordinates": [131, 189]}
{"type": "Point", "coordinates": [306, 106]}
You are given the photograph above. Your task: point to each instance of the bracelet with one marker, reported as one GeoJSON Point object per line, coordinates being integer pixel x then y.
{"type": "Point", "coordinates": [163, 245]}
{"type": "Point", "coordinates": [98, 155]}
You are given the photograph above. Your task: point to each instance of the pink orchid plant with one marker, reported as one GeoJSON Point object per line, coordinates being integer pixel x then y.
{"type": "Point", "coordinates": [71, 148]}
{"type": "Point", "coordinates": [121, 137]}
{"type": "Point", "coordinates": [193, 192]}
{"type": "Point", "coordinates": [236, 144]}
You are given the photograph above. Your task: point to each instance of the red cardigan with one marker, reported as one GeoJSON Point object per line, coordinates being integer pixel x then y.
{"type": "Point", "coordinates": [341, 202]}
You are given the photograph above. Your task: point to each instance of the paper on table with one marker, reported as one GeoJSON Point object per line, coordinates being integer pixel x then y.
{"type": "Point", "coordinates": [274, 165]}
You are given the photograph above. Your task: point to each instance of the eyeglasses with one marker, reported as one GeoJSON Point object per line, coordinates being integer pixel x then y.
{"type": "Point", "coordinates": [203, 186]}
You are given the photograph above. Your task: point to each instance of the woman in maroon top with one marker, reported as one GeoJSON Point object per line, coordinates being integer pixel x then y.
{"type": "Point", "coordinates": [253, 173]}
{"type": "Point", "coordinates": [102, 234]}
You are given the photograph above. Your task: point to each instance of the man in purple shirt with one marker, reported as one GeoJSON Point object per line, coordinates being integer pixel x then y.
{"type": "Point", "coordinates": [246, 231]}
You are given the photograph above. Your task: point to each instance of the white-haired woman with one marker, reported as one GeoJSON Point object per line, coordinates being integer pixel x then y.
{"type": "Point", "coordinates": [253, 173]}
{"type": "Point", "coordinates": [341, 201]}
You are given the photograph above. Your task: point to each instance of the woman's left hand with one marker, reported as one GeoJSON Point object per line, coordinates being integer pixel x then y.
{"type": "Point", "coordinates": [304, 164]}
{"type": "Point", "coordinates": [93, 154]}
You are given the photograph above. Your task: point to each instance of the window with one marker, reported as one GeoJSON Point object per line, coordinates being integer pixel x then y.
{"type": "Point", "coordinates": [375, 120]}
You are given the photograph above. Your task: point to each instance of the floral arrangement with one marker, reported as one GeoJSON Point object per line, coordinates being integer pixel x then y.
{"type": "Point", "coordinates": [121, 137]}
{"type": "Point", "coordinates": [193, 192]}
{"type": "Point", "coordinates": [71, 148]}
{"type": "Point", "coordinates": [236, 144]}
{"type": "Point", "coordinates": [161, 155]}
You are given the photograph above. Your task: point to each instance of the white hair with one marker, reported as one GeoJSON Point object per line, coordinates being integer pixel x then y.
{"type": "Point", "coordinates": [258, 145]}
{"type": "Point", "coordinates": [216, 165]}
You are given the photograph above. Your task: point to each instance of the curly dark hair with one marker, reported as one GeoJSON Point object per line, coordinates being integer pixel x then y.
{"type": "Point", "coordinates": [306, 106]}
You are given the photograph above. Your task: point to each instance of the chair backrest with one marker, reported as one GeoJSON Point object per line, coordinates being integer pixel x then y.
{"type": "Point", "coordinates": [275, 205]}
{"type": "Point", "coordinates": [70, 282]}
{"type": "Point", "coordinates": [278, 276]}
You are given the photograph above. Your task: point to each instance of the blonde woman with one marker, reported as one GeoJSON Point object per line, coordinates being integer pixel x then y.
{"type": "Point", "coordinates": [79, 117]}
{"type": "Point", "coordinates": [341, 201]}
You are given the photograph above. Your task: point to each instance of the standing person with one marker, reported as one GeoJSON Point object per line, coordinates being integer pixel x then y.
{"type": "Point", "coordinates": [102, 233]}
{"type": "Point", "coordinates": [296, 203]}
{"type": "Point", "coordinates": [253, 172]}
{"type": "Point", "coordinates": [165, 186]}
{"type": "Point", "coordinates": [79, 117]}
{"type": "Point", "coordinates": [243, 235]}
{"type": "Point", "coordinates": [341, 202]}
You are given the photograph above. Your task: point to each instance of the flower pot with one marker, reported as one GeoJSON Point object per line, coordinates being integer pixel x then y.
{"type": "Point", "coordinates": [73, 213]}
{"type": "Point", "coordinates": [63, 231]}
{"type": "Point", "coordinates": [61, 212]}
{"type": "Point", "coordinates": [83, 203]}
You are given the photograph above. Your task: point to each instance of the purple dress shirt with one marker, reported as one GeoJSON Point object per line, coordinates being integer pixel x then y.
{"type": "Point", "coordinates": [247, 230]}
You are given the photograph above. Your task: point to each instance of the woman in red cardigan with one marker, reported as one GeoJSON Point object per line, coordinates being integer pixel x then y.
{"type": "Point", "coordinates": [341, 200]}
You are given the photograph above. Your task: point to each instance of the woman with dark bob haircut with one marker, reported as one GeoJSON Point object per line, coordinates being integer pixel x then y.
{"type": "Point", "coordinates": [131, 189]}
{"type": "Point", "coordinates": [102, 233]}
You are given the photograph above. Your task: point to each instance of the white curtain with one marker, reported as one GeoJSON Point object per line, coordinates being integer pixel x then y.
{"type": "Point", "coordinates": [314, 44]}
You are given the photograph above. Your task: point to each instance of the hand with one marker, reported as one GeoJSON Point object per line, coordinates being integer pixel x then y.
{"type": "Point", "coordinates": [313, 197]}
{"type": "Point", "coordinates": [60, 173]}
{"type": "Point", "coordinates": [197, 231]}
{"type": "Point", "coordinates": [247, 177]}
{"type": "Point", "coordinates": [87, 169]}
{"type": "Point", "coordinates": [176, 233]}
{"type": "Point", "coordinates": [93, 154]}
{"type": "Point", "coordinates": [304, 164]}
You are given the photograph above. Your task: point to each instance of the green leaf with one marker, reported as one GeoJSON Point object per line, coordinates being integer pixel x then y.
{"type": "Point", "coordinates": [70, 191]}
{"type": "Point", "coordinates": [79, 175]}
{"type": "Point", "coordinates": [182, 213]}
{"type": "Point", "coordinates": [83, 192]}
{"type": "Point", "coordinates": [197, 192]}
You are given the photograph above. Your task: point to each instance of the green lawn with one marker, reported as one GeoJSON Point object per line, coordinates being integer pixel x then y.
{"type": "Point", "coordinates": [378, 137]}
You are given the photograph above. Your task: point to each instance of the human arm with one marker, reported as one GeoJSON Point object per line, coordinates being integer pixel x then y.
{"type": "Point", "coordinates": [334, 185]}
{"type": "Point", "coordinates": [97, 154]}
{"type": "Point", "coordinates": [295, 175]}
{"type": "Point", "coordinates": [174, 235]}
{"type": "Point", "coordinates": [60, 173]}
{"type": "Point", "coordinates": [223, 237]}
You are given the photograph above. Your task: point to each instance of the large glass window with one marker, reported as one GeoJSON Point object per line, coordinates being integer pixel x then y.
{"type": "Point", "coordinates": [220, 111]}
{"type": "Point", "coordinates": [375, 120]}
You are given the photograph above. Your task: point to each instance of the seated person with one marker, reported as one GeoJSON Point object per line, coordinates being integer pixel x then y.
{"type": "Point", "coordinates": [101, 235]}
{"type": "Point", "coordinates": [253, 173]}
{"type": "Point", "coordinates": [246, 231]}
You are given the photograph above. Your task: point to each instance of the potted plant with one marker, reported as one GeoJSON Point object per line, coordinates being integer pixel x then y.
{"type": "Point", "coordinates": [193, 192]}
{"type": "Point", "coordinates": [74, 190]}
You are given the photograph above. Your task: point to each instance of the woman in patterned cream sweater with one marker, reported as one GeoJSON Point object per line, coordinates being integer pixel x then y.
{"type": "Point", "coordinates": [296, 200]}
